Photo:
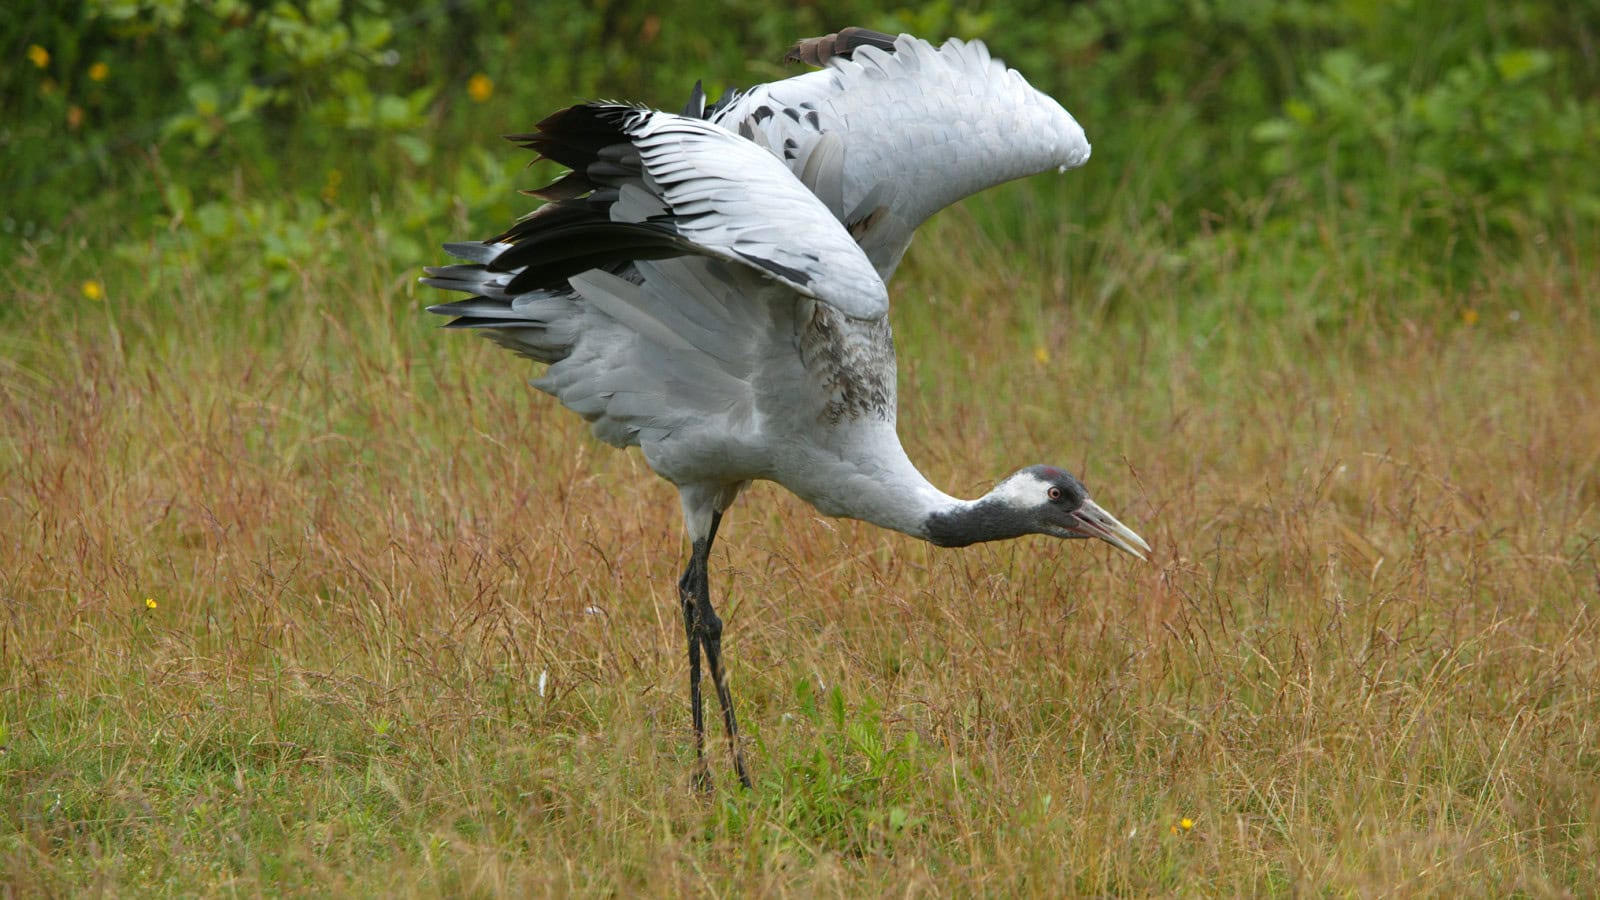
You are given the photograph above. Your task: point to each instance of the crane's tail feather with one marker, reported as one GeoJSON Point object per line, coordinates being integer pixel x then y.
{"type": "Point", "coordinates": [535, 324]}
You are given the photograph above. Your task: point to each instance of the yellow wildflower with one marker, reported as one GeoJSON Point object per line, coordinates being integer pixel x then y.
{"type": "Point", "coordinates": [1041, 355]}
{"type": "Point", "coordinates": [99, 72]}
{"type": "Point", "coordinates": [330, 187]}
{"type": "Point", "coordinates": [1469, 316]}
{"type": "Point", "coordinates": [1186, 823]}
{"type": "Point", "coordinates": [38, 55]}
{"type": "Point", "coordinates": [150, 603]}
{"type": "Point", "coordinates": [92, 290]}
{"type": "Point", "coordinates": [480, 87]}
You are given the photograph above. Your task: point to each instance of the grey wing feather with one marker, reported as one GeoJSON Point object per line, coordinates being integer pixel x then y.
{"type": "Point", "coordinates": [675, 356]}
{"type": "Point", "coordinates": [823, 172]}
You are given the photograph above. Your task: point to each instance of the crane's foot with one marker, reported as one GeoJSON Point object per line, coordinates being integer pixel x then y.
{"type": "Point", "coordinates": [702, 778]}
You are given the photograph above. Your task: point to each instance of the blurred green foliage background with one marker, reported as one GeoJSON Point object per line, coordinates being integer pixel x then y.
{"type": "Point", "coordinates": [244, 133]}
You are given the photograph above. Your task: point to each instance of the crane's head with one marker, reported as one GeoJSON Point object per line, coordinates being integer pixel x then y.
{"type": "Point", "coordinates": [1036, 500]}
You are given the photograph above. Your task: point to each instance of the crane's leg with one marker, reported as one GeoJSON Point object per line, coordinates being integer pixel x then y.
{"type": "Point", "coordinates": [711, 639]}
{"type": "Point", "coordinates": [704, 630]}
{"type": "Point", "coordinates": [688, 595]}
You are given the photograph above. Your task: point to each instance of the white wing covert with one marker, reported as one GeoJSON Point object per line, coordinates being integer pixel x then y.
{"type": "Point", "coordinates": [728, 197]}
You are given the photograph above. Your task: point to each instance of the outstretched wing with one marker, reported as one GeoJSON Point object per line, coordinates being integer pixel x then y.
{"type": "Point", "coordinates": [650, 185]}
{"type": "Point", "coordinates": [893, 129]}
{"type": "Point", "coordinates": [665, 284]}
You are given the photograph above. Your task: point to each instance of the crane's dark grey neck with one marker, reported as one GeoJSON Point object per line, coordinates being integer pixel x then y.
{"type": "Point", "coordinates": [976, 521]}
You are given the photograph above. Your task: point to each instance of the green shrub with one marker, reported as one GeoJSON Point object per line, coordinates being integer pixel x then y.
{"type": "Point", "coordinates": [1486, 141]}
{"type": "Point", "coordinates": [1427, 126]}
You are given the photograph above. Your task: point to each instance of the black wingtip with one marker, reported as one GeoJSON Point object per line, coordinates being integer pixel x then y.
{"type": "Point", "coordinates": [842, 44]}
{"type": "Point", "coordinates": [575, 135]}
{"type": "Point", "coordinates": [696, 107]}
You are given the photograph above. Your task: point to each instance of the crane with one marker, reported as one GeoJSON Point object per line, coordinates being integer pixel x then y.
{"type": "Point", "coordinates": [709, 286]}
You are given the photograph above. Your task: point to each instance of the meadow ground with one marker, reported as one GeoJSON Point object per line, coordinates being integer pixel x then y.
{"type": "Point", "coordinates": [298, 594]}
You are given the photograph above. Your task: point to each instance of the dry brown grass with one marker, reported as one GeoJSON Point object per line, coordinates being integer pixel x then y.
{"type": "Point", "coordinates": [1362, 661]}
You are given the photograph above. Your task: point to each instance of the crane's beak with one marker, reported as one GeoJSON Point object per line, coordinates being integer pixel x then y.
{"type": "Point", "coordinates": [1091, 521]}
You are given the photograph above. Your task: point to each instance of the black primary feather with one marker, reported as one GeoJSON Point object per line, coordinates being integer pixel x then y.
{"type": "Point", "coordinates": [842, 44]}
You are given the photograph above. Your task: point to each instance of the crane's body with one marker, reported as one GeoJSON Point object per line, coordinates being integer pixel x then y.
{"type": "Point", "coordinates": [710, 287]}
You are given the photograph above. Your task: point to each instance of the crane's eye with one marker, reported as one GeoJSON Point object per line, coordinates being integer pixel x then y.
{"type": "Point", "coordinates": [1054, 494]}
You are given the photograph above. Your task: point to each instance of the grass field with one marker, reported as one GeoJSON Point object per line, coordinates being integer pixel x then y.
{"type": "Point", "coordinates": [298, 594]}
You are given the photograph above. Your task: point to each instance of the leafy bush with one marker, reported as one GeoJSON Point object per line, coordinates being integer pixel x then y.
{"type": "Point", "coordinates": [1433, 122]}
{"type": "Point", "coordinates": [1483, 141]}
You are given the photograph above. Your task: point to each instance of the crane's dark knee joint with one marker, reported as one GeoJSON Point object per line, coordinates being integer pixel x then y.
{"type": "Point", "coordinates": [706, 623]}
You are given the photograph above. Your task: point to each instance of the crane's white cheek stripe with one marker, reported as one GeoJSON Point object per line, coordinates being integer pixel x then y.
{"type": "Point", "coordinates": [1023, 491]}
